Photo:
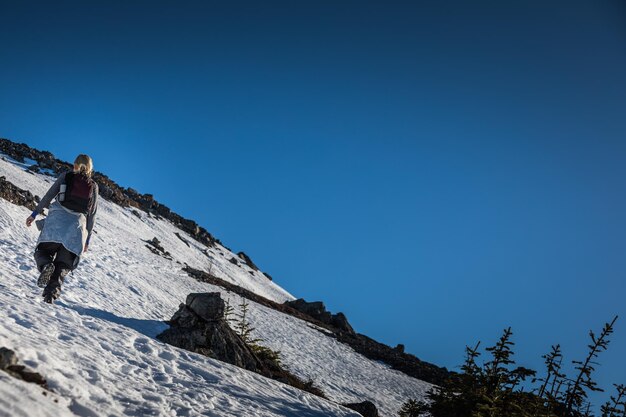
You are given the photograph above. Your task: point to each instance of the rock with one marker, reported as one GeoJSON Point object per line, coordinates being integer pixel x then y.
{"type": "Point", "coordinates": [155, 247]}
{"type": "Point", "coordinates": [185, 241]}
{"type": "Point", "coordinates": [209, 306]}
{"type": "Point", "coordinates": [366, 408]}
{"type": "Point", "coordinates": [16, 195]}
{"type": "Point", "coordinates": [211, 337]}
{"type": "Point", "coordinates": [233, 261]}
{"type": "Point", "coordinates": [7, 358]}
{"type": "Point", "coordinates": [268, 276]}
{"type": "Point", "coordinates": [314, 308]}
{"type": "Point", "coordinates": [9, 364]}
{"type": "Point", "coordinates": [247, 260]}
{"type": "Point", "coordinates": [399, 348]}
{"type": "Point", "coordinates": [317, 310]}
{"type": "Point", "coordinates": [340, 321]}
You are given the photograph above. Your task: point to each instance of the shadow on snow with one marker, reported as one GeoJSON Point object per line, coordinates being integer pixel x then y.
{"type": "Point", "coordinates": [149, 328]}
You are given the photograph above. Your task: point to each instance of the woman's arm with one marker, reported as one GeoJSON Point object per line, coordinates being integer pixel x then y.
{"type": "Point", "coordinates": [91, 216]}
{"type": "Point", "coordinates": [47, 199]}
{"type": "Point", "coordinates": [52, 192]}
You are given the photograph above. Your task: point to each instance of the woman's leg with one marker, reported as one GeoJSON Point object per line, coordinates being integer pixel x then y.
{"type": "Point", "coordinates": [64, 259]}
{"type": "Point", "coordinates": [44, 254]}
{"type": "Point", "coordinates": [63, 263]}
{"type": "Point", "coordinates": [44, 257]}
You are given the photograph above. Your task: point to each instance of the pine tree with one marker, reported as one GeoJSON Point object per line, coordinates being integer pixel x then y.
{"type": "Point", "coordinates": [616, 406]}
{"type": "Point", "coordinates": [496, 388]}
{"type": "Point", "coordinates": [413, 408]}
{"type": "Point", "coordinates": [228, 310]}
{"type": "Point", "coordinates": [576, 395]}
{"type": "Point", "coordinates": [245, 329]}
{"type": "Point", "coordinates": [500, 396]}
{"type": "Point", "coordinates": [243, 326]}
{"type": "Point", "coordinates": [551, 383]}
{"type": "Point", "coordinates": [495, 369]}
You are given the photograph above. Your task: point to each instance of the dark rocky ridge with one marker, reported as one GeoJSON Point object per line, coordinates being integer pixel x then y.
{"type": "Point", "coordinates": [371, 349]}
{"type": "Point", "coordinates": [317, 310]}
{"type": "Point", "coordinates": [16, 195]}
{"type": "Point", "coordinates": [247, 260]}
{"type": "Point", "coordinates": [109, 189]}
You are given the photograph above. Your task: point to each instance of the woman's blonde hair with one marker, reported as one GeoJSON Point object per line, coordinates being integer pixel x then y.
{"type": "Point", "coordinates": [83, 164]}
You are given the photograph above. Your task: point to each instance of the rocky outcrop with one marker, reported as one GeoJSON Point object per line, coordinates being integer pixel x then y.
{"type": "Point", "coordinates": [155, 247]}
{"type": "Point", "coordinates": [246, 259]}
{"type": "Point", "coordinates": [9, 364]}
{"type": "Point", "coordinates": [199, 326]}
{"type": "Point", "coordinates": [366, 408]}
{"type": "Point", "coordinates": [125, 197]}
{"type": "Point", "coordinates": [317, 310]}
{"type": "Point", "coordinates": [185, 241]}
{"type": "Point", "coordinates": [16, 195]}
{"type": "Point", "coordinates": [403, 362]}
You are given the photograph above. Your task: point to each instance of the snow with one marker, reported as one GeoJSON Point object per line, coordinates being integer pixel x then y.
{"type": "Point", "coordinates": [97, 349]}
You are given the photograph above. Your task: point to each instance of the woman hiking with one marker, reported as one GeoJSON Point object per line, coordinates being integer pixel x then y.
{"type": "Point", "coordinates": [67, 228]}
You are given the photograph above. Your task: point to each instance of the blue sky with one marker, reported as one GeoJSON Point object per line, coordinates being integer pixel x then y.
{"type": "Point", "coordinates": [436, 170]}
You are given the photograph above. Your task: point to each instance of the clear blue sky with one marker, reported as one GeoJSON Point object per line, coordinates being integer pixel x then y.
{"type": "Point", "coordinates": [436, 170]}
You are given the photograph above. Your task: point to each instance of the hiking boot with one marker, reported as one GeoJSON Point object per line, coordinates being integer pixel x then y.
{"type": "Point", "coordinates": [63, 274]}
{"type": "Point", "coordinates": [52, 291]}
{"type": "Point", "coordinates": [46, 274]}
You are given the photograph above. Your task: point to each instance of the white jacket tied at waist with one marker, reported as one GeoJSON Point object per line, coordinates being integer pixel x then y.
{"type": "Point", "coordinates": [65, 227]}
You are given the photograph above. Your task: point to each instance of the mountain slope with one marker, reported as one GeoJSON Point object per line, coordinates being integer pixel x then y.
{"type": "Point", "coordinates": [97, 346]}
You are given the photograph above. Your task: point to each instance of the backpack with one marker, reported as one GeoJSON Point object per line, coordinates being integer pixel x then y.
{"type": "Point", "coordinates": [76, 193]}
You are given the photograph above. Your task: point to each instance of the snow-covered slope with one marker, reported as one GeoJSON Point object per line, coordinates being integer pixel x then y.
{"type": "Point", "coordinates": [96, 345]}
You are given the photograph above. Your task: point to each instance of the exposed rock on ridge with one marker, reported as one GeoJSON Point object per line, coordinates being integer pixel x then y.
{"type": "Point", "coordinates": [317, 310]}
{"type": "Point", "coordinates": [16, 195]}
{"type": "Point", "coordinates": [247, 260]}
{"type": "Point", "coordinates": [155, 247]}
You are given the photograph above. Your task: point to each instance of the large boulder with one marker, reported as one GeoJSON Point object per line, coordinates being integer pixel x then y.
{"type": "Point", "coordinates": [199, 326]}
{"type": "Point", "coordinates": [208, 306]}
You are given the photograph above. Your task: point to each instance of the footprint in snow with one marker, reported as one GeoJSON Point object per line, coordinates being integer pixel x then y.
{"type": "Point", "coordinates": [168, 356]}
{"type": "Point", "coordinates": [81, 410]}
{"type": "Point", "coordinates": [21, 321]}
{"type": "Point", "coordinates": [142, 345]}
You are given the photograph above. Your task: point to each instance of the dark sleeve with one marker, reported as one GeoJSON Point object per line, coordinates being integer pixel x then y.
{"type": "Point", "coordinates": [52, 192]}
{"type": "Point", "coordinates": [91, 217]}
